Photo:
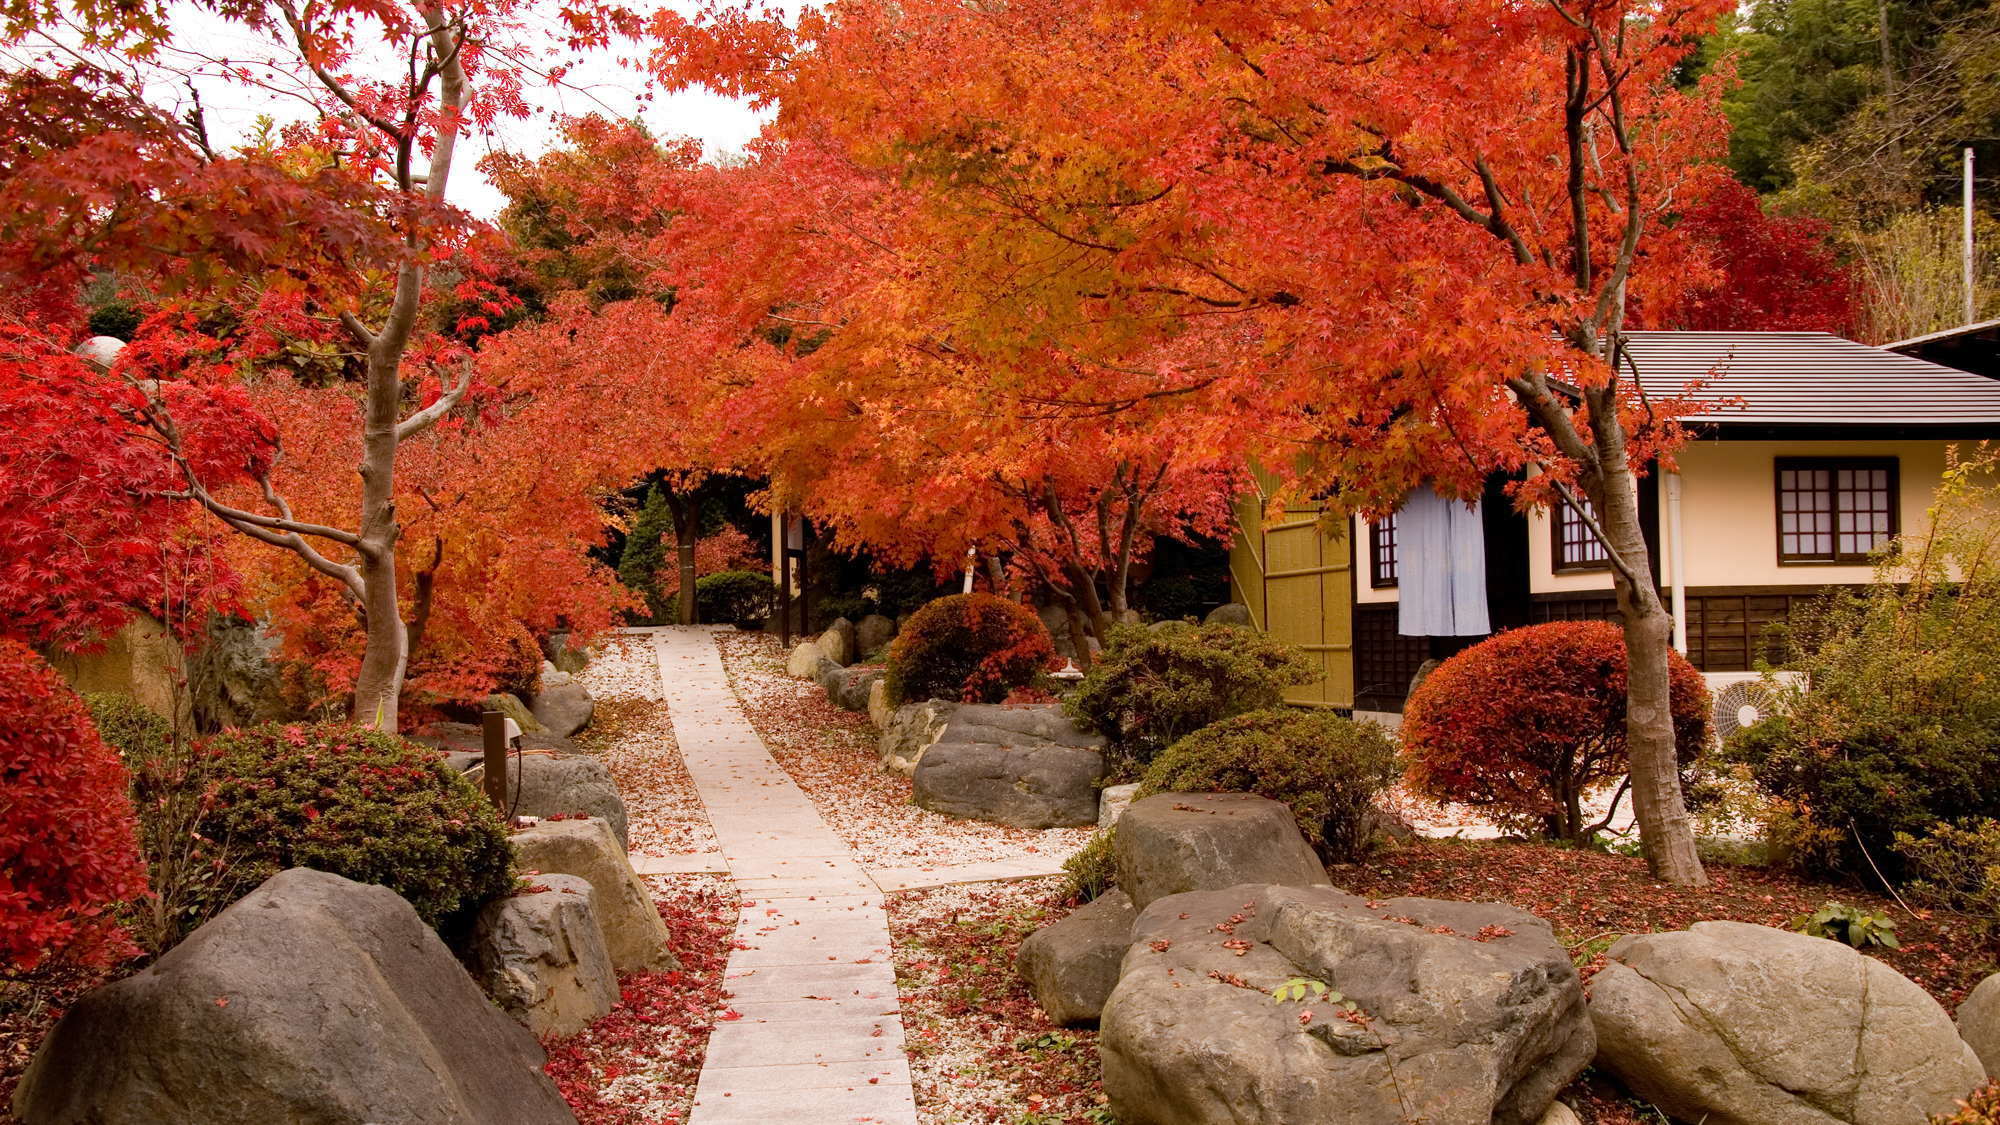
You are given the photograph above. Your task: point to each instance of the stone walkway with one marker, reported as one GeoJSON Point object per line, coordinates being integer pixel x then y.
{"type": "Point", "coordinates": [820, 1034]}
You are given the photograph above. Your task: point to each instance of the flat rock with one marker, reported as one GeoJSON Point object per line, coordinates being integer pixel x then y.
{"type": "Point", "coordinates": [1022, 786]}
{"type": "Point", "coordinates": [1467, 1013]}
{"type": "Point", "coordinates": [1735, 1024]}
{"type": "Point", "coordinates": [912, 729]}
{"type": "Point", "coordinates": [512, 707]}
{"type": "Point", "coordinates": [848, 688]}
{"type": "Point", "coordinates": [804, 659]}
{"type": "Point", "coordinates": [563, 708]}
{"type": "Point", "coordinates": [1071, 966]}
{"type": "Point", "coordinates": [837, 643]}
{"type": "Point", "coordinates": [879, 710]}
{"type": "Point", "coordinates": [565, 785]}
{"type": "Point", "coordinates": [314, 1000]}
{"type": "Point", "coordinates": [1232, 613]}
{"type": "Point", "coordinates": [1173, 843]}
{"type": "Point", "coordinates": [634, 933]}
{"type": "Point", "coordinates": [872, 634]}
{"type": "Point", "coordinates": [1112, 803]}
{"type": "Point", "coordinates": [540, 955]}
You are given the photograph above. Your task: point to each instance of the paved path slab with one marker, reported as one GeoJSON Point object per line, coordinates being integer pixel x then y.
{"type": "Point", "coordinates": [820, 1034]}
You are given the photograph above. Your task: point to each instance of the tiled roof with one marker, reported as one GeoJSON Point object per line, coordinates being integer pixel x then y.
{"type": "Point", "coordinates": [1810, 379]}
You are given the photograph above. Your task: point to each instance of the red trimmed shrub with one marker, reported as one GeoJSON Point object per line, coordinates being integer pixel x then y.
{"type": "Point", "coordinates": [1524, 724]}
{"type": "Point", "coordinates": [68, 852]}
{"type": "Point", "coordinates": [975, 648]}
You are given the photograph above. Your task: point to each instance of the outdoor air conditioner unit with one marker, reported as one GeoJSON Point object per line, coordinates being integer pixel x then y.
{"type": "Point", "coordinates": [1740, 699]}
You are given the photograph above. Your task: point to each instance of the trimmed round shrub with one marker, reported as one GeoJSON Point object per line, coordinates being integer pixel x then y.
{"type": "Point", "coordinates": [352, 801]}
{"type": "Point", "coordinates": [973, 648]}
{"type": "Point", "coordinates": [1150, 688]}
{"type": "Point", "coordinates": [1525, 724]}
{"type": "Point", "coordinates": [138, 734]}
{"type": "Point", "coordinates": [740, 597]}
{"type": "Point", "coordinates": [1327, 769]}
{"type": "Point", "coordinates": [68, 852]}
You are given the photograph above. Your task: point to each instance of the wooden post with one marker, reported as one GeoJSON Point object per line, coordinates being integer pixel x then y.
{"type": "Point", "coordinates": [784, 596]}
{"type": "Point", "coordinates": [493, 726]}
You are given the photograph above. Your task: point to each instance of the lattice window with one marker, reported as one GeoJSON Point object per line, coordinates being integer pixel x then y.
{"type": "Point", "coordinates": [1382, 552]}
{"type": "Point", "coordinates": [1576, 547]}
{"type": "Point", "coordinates": [1835, 510]}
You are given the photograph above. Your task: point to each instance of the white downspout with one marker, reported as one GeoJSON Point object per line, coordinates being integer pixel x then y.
{"type": "Point", "coordinates": [1677, 557]}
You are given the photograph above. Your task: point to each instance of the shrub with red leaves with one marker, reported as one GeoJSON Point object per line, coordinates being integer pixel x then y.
{"type": "Point", "coordinates": [1523, 725]}
{"type": "Point", "coordinates": [68, 850]}
{"type": "Point", "coordinates": [1981, 1107]}
{"type": "Point", "coordinates": [976, 648]}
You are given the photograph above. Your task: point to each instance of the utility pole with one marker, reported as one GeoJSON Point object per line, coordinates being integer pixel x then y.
{"type": "Point", "coordinates": [1966, 249]}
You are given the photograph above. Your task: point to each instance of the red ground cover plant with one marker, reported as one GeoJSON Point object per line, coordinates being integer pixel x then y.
{"type": "Point", "coordinates": [638, 1065]}
{"type": "Point", "coordinates": [981, 1049]}
{"type": "Point", "coordinates": [69, 853]}
{"type": "Point", "coordinates": [1524, 725]}
{"type": "Point", "coordinates": [976, 648]}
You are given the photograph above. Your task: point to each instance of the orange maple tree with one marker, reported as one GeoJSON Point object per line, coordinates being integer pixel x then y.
{"type": "Point", "coordinates": [1403, 233]}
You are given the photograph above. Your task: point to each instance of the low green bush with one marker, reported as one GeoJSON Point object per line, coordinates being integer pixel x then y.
{"type": "Point", "coordinates": [140, 736]}
{"type": "Point", "coordinates": [1326, 768]}
{"type": "Point", "coordinates": [355, 802]}
{"type": "Point", "coordinates": [1151, 687]}
{"type": "Point", "coordinates": [1093, 870]}
{"type": "Point", "coordinates": [1895, 727]}
{"type": "Point", "coordinates": [970, 648]}
{"type": "Point", "coordinates": [738, 597]}
{"type": "Point", "coordinates": [1955, 867]}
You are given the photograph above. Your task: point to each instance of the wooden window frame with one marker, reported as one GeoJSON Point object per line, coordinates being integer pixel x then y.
{"type": "Point", "coordinates": [1557, 563]}
{"type": "Point", "coordinates": [1779, 465]}
{"type": "Point", "coordinates": [1376, 535]}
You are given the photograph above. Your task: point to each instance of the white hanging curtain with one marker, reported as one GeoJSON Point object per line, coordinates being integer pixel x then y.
{"type": "Point", "coordinates": [1441, 567]}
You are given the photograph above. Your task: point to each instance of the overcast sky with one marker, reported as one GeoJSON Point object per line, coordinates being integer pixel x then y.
{"type": "Point", "coordinates": [724, 125]}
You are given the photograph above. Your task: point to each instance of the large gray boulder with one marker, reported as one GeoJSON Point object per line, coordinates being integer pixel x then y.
{"type": "Point", "coordinates": [1071, 966]}
{"type": "Point", "coordinates": [912, 729]}
{"type": "Point", "coordinates": [634, 933]}
{"type": "Point", "coordinates": [872, 634]}
{"type": "Point", "coordinates": [557, 647]}
{"type": "Point", "coordinates": [1231, 613]}
{"type": "Point", "coordinates": [546, 785]}
{"type": "Point", "coordinates": [540, 955]}
{"type": "Point", "coordinates": [1466, 1013]}
{"type": "Point", "coordinates": [1030, 785]}
{"type": "Point", "coordinates": [312, 1001]}
{"type": "Point", "coordinates": [1734, 1024]}
{"type": "Point", "coordinates": [234, 676]}
{"type": "Point", "coordinates": [1979, 1023]}
{"type": "Point", "coordinates": [563, 708]}
{"type": "Point", "coordinates": [837, 643]}
{"type": "Point", "coordinates": [1173, 843]}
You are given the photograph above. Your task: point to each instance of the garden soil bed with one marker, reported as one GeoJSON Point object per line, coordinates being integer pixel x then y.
{"type": "Point", "coordinates": [638, 1065]}
{"type": "Point", "coordinates": [981, 1050]}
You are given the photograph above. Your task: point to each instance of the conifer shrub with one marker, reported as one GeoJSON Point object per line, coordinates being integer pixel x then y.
{"type": "Point", "coordinates": [69, 857]}
{"type": "Point", "coordinates": [1326, 768]}
{"type": "Point", "coordinates": [1151, 687]}
{"type": "Point", "coordinates": [1524, 725]}
{"type": "Point", "coordinates": [972, 648]}
{"type": "Point", "coordinates": [349, 800]}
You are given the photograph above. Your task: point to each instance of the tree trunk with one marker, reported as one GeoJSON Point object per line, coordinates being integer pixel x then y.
{"type": "Point", "coordinates": [1079, 636]}
{"type": "Point", "coordinates": [687, 534]}
{"type": "Point", "coordinates": [1666, 832]}
{"type": "Point", "coordinates": [378, 688]}
{"type": "Point", "coordinates": [1084, 588]}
